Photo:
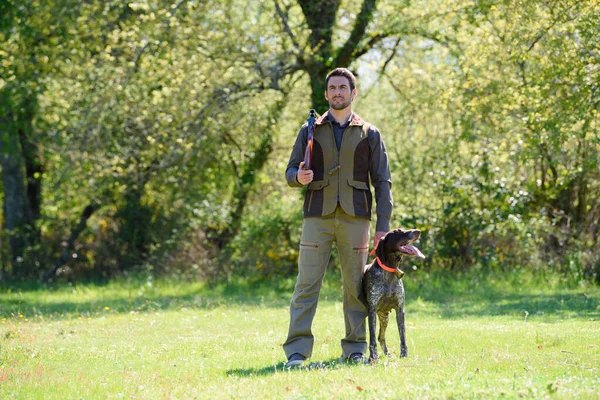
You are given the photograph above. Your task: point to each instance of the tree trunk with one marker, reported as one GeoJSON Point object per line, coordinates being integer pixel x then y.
{"type": "Point", "coordinates": [33, 170]}
{"type": "Point", "coordinates": [317, 84]}
{"type": "Point", "coordinates": [135, 226]}
{"type": "Point", "coordinates": [321, 17]}
{"type": "Point", "coordinates": [247, 181]}
{"type": "Point", "coordinates": [85, 215]}
{"type": "Point", "coordinates": [18, 218]}
{"type": "Point", "coordinates": [243, 189]}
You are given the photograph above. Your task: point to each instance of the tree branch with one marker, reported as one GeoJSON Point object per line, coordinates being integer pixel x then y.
{"type": "Point", "coordinates": [85, 215]}
{"type": "Point", "coordinates": [346, 54]}
{"type": "Point", "coordinates": [402, 94]}
{"type": "Point", "coordinates": [369, 45]}
{"type": "Point", "coordinates": [547, 29]}
{"type": "Point", "coordinates": [286, 27]}
{"type": "Point", "coordinates": [385, 64]}
{"type": "Point", "coordinates": [320, 17]}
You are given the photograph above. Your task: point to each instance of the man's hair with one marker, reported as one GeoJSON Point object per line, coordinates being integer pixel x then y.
{"type": "Point", "coordinates": [341, 72]}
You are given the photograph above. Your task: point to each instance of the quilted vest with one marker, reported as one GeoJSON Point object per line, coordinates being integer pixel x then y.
{"type": "Point", "coordinates": [340, 177]}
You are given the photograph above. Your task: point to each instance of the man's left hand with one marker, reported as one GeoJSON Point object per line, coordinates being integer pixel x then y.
{"type": "Point", "coordinates": [378, 236]}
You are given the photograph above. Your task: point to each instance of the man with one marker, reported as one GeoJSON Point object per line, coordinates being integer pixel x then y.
{"type": "Point", "coordinates": [347, 153]}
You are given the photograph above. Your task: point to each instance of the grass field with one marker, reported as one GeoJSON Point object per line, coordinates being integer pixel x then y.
{"type": "Point", "coordinates": [468, 337]}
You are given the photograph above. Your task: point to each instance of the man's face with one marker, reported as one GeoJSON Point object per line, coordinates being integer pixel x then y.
{"type": "Point", "coordinates": [338, 92]}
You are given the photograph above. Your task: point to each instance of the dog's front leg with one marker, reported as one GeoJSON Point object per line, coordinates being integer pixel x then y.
{"type": "Point", "coordinates": [384, 317]}
{"type": "Point", "coordinates": [402, 330]}
{"type": "Point", "coordinates": [372, 332]}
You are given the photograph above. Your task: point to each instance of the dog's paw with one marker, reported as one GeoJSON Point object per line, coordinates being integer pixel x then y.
{"type": "Point", "coordinates": [404, 352]}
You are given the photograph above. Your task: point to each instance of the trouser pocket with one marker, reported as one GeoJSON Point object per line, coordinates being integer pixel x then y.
{"type": "Point", "coordinates": [309, 246]}
{"type": "Point", "coordinates": [310, 255]}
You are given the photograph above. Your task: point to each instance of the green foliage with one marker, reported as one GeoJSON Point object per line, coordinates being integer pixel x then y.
{"type": "Point", "coordinates": [267, 246]}
{"type": "Point", "coordinates": [178, 118]}
{"type": "Point", "coordinates": [137, 118]}
{"type": "Point", "coordinates": [494, 144]}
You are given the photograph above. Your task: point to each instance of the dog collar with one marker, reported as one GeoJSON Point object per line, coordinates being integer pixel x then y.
{"type": "Point", "coordinates": [385, 267]}
{"type": "Point", "coordinates": [382, 265]}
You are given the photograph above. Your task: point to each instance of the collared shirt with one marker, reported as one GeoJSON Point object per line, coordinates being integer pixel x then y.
{"type": "Point", "coordinates": [338, 129]}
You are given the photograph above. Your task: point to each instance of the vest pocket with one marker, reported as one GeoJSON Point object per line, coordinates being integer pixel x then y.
{"type": "Point", "coordinates": [360, 185]}
{"type": "Point", "coordinates": [361, 197]}
{"type": "Point", "coordinates": [313, 199]}
{"type": "Point", "coordinates": [318, 185]}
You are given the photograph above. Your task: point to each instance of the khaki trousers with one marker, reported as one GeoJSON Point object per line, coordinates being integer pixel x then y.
{"type": "Point", "coordinates": [351, 236]}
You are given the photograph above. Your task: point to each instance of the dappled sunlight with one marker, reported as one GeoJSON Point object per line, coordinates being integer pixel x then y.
{"type": "Point", "coordinates": [67, 302]}
{"type": "Point", "coordinates": [438, 294]}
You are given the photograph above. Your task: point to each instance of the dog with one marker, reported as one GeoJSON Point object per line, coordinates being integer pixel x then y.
{"type": "Point", "coordinates": [383, 289]}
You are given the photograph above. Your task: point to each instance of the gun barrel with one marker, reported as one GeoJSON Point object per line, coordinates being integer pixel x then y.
{"type": "Point", "coordinates": [311, 130]}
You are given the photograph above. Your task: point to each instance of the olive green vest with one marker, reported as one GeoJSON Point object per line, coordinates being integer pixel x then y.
{"type": "Point", "coordinates": [340, 177]}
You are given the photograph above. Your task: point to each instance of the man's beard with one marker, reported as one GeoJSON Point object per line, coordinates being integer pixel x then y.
{"type": "Point", "coordinates": [340, 106]}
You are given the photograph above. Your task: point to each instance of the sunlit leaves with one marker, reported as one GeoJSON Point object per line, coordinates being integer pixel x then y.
{"type": "Point", "coordinates": [501, 100]}
{"type": "Point", "coordinates": [489, 110]}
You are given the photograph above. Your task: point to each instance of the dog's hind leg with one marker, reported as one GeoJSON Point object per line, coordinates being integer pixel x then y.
{"type": "Point", "coordinates": [383, 323]}
{"type": "Point", "coordinates": [402, 330]}
{"type": "Point", "coordinates": [372, 317]}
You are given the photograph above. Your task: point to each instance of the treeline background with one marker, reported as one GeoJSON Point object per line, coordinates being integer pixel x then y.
{"type": "Point", "coordinates": [152, 136]}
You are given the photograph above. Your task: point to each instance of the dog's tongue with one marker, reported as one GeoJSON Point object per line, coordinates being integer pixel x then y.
{"type": "Point", "coordinates": [411, 251]}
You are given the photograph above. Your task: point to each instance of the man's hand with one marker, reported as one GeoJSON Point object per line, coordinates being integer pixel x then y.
{"type": "Point", "coordinates": [305, 176]}
{"type": "Point", "coordinates": [378, 236]}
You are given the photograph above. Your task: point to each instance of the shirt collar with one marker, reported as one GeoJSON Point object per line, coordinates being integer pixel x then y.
{"type": "Point", "coordinates": [333, 121]}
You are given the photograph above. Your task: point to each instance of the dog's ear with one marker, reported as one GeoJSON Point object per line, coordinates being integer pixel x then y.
{"type": "Point", "coordinates": [380, 250]}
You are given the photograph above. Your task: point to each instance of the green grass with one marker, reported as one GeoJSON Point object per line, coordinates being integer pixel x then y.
{"type": "Point", "coordinates": [469, 336]}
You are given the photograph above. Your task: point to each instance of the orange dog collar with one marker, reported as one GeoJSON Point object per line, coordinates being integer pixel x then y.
{"type": "Point", "coordinates": [385, 267]}
{"type": "Point", "coordinates": [382, 265]}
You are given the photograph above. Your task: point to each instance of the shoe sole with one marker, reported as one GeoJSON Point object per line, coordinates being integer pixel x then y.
{"type": "Point", "coordinates": [295, 363]}
{"type": "Point", "coordinates": [362, 360]}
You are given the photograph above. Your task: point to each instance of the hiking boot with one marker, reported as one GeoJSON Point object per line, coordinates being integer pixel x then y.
{"type": "Point", "coordinates": [295, 360]}
{"type": "Point", "coordinates": [357, 358]}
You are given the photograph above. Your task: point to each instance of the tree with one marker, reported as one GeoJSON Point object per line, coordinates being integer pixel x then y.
{"type": "Point", "coordinates": [29, 43]}
{"type": "Point", "coordinates": [316, 46]}
{"type": "Point", "coordinates": [513, 87]}
{"type": "Point", "coordinates": [166, 114]}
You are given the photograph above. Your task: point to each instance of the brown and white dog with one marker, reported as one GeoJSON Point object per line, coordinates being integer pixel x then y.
{"type": "Point", "coordinates": [383, 289]}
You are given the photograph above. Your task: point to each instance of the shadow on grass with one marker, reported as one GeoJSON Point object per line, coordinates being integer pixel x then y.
{"type": "Point", "coordinates": [442, 295]}
{"type": "Point", "coordinates": [452, 297]}
{"type": "Point", "coordinates": [549, 307]}
{"type": "Point", "coordinates": [333, 363]}
{"type": "Point", "coordinates": [125, 297]}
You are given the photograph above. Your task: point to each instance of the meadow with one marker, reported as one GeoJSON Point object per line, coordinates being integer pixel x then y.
{"type": "Point", "coordinates": [480, 335]}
